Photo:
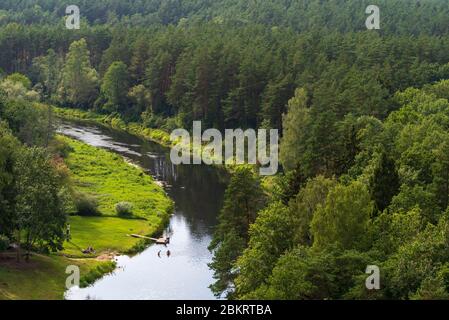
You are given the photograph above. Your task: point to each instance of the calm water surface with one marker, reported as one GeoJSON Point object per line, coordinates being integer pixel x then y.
{"type": "Point", "coordinates": [198, 194]}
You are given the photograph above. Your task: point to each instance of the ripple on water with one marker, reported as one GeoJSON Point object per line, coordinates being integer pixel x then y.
{"type": "Point", "coordinates": [197, 192]}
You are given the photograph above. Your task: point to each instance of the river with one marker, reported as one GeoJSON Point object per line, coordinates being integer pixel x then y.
{"type": "Point", "coordinates": [197, 191]}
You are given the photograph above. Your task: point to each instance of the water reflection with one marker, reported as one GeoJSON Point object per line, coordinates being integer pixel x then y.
{"type": "Point", "coordinates": [198, 195]}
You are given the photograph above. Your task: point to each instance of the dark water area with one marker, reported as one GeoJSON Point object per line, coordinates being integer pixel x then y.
{"type": "Point", "coordinates": [197, 191]}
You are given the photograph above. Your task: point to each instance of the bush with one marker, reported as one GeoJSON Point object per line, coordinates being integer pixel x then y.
{"type": "Point", "coordinates": [60, 147]}
{"type": "Point", "coordinates": [4, 242]}
{"type": "Point", "coordinates": [86, 205]}
{"type": "Point", "coordinates": [19, 78]}
{"type": "Point", "coordinates": [124, 209]}
{"type": "Point", "coordinates": [97, 273]}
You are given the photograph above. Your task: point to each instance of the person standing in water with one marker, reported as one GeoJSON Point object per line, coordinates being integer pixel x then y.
{"type": "Point", "coordinates": [168, 253]}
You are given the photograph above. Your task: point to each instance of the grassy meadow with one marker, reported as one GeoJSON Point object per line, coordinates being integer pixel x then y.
{"type": "Point", "coordinates": [108, 178]}
{"type": "Point", "coordinates": [44, 276]}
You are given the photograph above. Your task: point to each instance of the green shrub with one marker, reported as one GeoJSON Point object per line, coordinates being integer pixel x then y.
{"type": "Point", "coordinates": [4, 242]}
{"type": "Point", "coordinates": [86, 205]}
{"type": "Point", "coordinates": [97, 273]}
{"type": "Point", "coordinates": [124, 209]}
{"type": "Point", "coordinates": [60, 147]}
{"type": "Point", "coordinates": [20, 78]}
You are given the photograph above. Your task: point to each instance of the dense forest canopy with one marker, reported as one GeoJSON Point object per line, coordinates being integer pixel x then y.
{"type": "Point", "coordinates": [363, 115]}
{"type": "Point", "coordinates": [232, 74]}
{"type": "Point", "coordinates": [409, 17]}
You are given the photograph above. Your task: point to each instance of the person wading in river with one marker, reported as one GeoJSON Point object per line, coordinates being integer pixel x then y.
{"type": "Point", "coordinates": [168, 253]}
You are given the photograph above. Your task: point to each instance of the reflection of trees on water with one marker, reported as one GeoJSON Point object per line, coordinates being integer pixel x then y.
{"type": "Point", "coordinates": [197, 189]}
{"type": "Point", "coordinates": [198, 193]}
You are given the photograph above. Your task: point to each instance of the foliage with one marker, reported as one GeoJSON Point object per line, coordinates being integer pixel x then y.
{"type": "Point", "coordinates": [243, 198]}
{"type": "Point", "coordinates": [385, 182]}
{"type": "Point", "coordinates": [30, 124]}
{"type": "Point", "coordinates": [294, 123]}
{"type": "Point", "coordinates": [19, 78]}
{"type": "Point", "coordinates": [124, 209]}
{"type": "Point", "coordinates": [40, 202]}
{"type": "Point", "coordinates": [79, 80]}
{"type": "Point", "coordinates": [44, 280]}
{"type": "Point", "coordinates": [364, 139]}
{"type": "Point", "coordinates": [114, 88]}
{"type": "Point", "coordinates": [270, 235]}
{"type": "Point", "coordinates": [299, 15]}
{"type": "Point", "coordinates": [111, 180]}
{"type": "Point", "coordinates": [47, 68]}
{"type": "Point", "coordinates": [8, 149]}
{"type": "Point", "coordinates": [96, 273]}
{"type": "Point", "coordinates": [305, 204]}
{"type": "Point", "coordinates": [4, 242]}
{"type": "Point", "coordinates": [18, 86]}
{"type": "Point", "coordinates": [303, 273]}
{"type": "Point", "coordinates": [85, 204]}
{"type": "Point", "coordinates": [344, 219]}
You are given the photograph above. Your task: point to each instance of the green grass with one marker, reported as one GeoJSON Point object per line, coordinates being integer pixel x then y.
{"type": "Point", "coordinates": [108, 177]}
{"type": "Point", "coordinates": [104, 234]}
{"type": "Point", "coordinates": [43, 277]}
{"type": "Point", "coordinates": [95, 272]}
{"type": "Point", "coordinates": [77, 114]}
{"type": "Point", "coordinates": [157, 135]}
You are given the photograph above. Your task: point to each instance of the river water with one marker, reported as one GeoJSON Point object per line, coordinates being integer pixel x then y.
{"type": "Point", "coordinates": [198, 195]}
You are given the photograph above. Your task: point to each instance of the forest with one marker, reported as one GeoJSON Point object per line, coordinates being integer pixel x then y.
{"type": "Point", "coordinates": [363, 116]}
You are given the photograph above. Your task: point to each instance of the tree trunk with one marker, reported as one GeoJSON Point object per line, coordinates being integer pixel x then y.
{"type": "Point", "coordinates": [18, 246]}
{"type": "Point", "coordinates": [28, 245]}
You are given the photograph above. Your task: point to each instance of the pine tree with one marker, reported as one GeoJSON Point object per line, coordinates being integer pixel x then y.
{"type": "Point", "coordinates": [139, 58]}
{"type": "Point", "coordinates": [243, 199]}
{"type": "Point", "coordinates": [384, 184]}
{"type": "Point", "coordinates": [440, 170]}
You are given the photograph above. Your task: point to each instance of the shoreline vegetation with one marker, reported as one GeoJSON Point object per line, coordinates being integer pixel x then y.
{"type": "Point", "coordinates": [158, 136]}
{"type": "Point", "coordinates": [109, 179]}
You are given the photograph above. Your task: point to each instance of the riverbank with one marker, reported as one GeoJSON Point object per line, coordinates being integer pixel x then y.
{"type": "Point", "coordinates": [107, 177]}
{"type": "Point", "coordinates": [110, 180]}
{"type": "Point", "coordinates": [158, 136]}
{"type": "Point", "coordinates": [44, 277]}
{"type": "Point", "coordinates": [197, 192]}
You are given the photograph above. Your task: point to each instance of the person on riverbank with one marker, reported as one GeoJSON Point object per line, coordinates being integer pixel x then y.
{"type": "Point", "coordinates": [89, 250]}
{"type": "Point", "coordinates": [68, 234]}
